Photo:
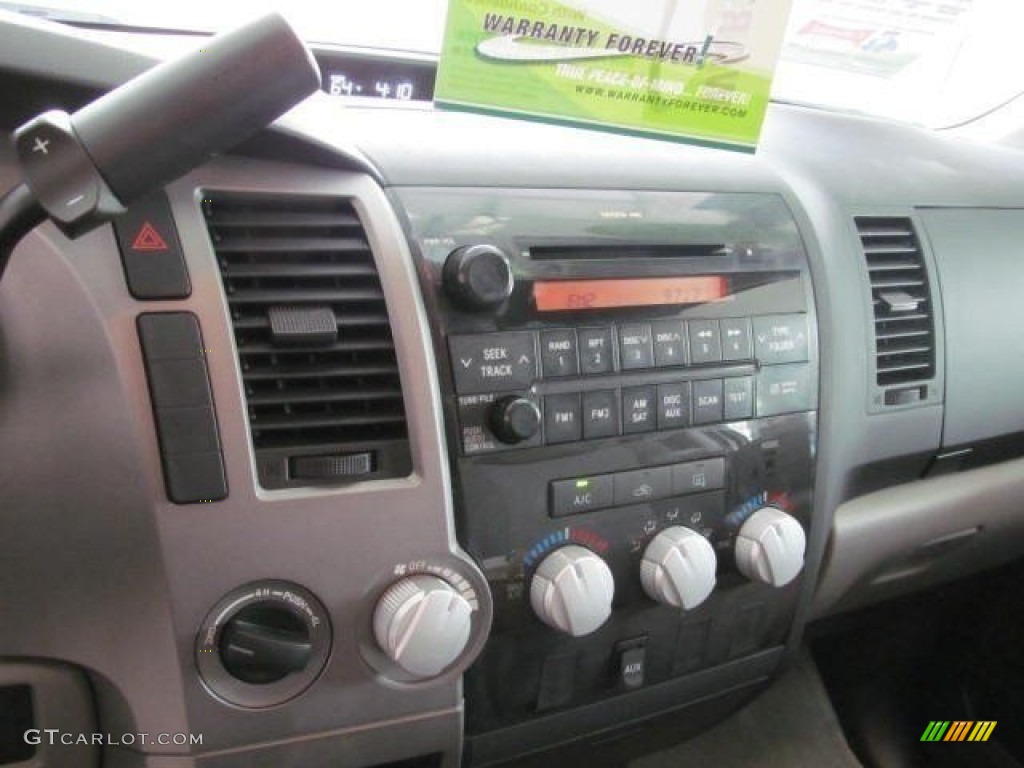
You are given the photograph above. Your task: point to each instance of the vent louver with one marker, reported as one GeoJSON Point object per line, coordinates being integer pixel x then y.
{"type": "Point", "coordinates": [314, 341]}
{"type": "Point", "coordinates": [903, 313]}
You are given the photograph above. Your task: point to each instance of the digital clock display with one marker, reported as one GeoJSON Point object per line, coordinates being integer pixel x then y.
{"type": "Point", "coordinates": [349, 84]}
{"type": "Point", "coordinates": [562, 295]}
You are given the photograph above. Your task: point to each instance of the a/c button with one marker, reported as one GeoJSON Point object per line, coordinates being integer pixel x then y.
{"type": "Point", "coordinates": [580, 494]}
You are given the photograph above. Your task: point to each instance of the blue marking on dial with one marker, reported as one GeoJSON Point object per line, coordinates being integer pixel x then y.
{"type": "Point", "coordinates": [738, 516]}
{"type": "Point", "coordinates": [543, 546]}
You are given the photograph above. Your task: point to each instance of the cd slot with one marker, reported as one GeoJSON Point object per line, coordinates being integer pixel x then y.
{"type": "Point", "coordinates": [628, 251]}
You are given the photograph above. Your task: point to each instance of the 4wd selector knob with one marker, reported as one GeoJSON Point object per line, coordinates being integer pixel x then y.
{"type": "Point", "coordinates": [422, 623]}
{"type": "Point", "coordinates": [770, 547]}
{"type": "Point", "coordinates": [678, 568]}
{"type": "Point", "coordinates": [572, 590]}
{"type": "Point", "coordinates": [264, 642]}
{"type": "Point", "coordinates": [515, 419]}
{"type": "Point", "coordinates": [478, 277]}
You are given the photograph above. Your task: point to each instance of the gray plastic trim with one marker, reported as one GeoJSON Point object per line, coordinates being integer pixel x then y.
{"type": "Point", "coordinates": [922, 533]}
{"type": "Point", "coordinates": [46, 50]}
{"type": "Point", "coordinates": [848, 437]}
{"type": "Point", "coordinates": [344, 544]}
{"type": "Point", "coordinates": [61, 701]}
{"type": "Point", "coordinates": [112, 577]}
{"type": "Point", "coordinates": [86, 561]}
{"type": "Point", "coordinates": [979, 266]}
{"type": "Point", "coordinates": [875, 402]}
{"type": "Point", "coordinates": [358, 748]}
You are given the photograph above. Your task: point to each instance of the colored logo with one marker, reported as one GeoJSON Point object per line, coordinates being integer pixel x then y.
{"type": "Point", "coordinates": [958, 730]}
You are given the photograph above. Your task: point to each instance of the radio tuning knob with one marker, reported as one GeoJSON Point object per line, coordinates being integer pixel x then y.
{"type": "Point", "coordinates": [478, 277]}
{"type": "Point", "coordinates": [423, 624]}
{"type": "Point", "coordinates": [770, 547]}
{"type": "Point", "coordinates": [678, 568]}
{"type": "Point", "coordinates": [572, 590]}
{"type": "Point", "coordinates": [515, 419]}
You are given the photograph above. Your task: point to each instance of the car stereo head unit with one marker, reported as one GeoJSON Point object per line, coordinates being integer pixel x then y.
{"type": "Point", "coordinates": [630, 384]}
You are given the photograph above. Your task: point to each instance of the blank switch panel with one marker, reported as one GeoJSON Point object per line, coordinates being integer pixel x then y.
{"type": "Point", "coordinates": [172, 347]}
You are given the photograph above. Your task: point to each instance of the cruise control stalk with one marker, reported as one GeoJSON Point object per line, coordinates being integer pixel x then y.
{"type": "Point", "coordinates": [83, 169]}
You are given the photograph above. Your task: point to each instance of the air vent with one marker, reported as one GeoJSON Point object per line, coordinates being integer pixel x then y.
{"type": "Point", "coordinates": [903, 313]}
{"type": "Point", "coordinates": [623, 251]}
{"type": "Point", "coordinates": [314, 343]}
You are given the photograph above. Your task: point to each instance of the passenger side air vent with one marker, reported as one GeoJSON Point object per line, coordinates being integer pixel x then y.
{"type": "Point", "coordinates": [314, 342]}
{"type": "Point", "coordinates": [903, 311]}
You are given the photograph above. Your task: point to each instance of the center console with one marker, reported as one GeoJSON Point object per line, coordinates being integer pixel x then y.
{"type": "Point", "coordinates": [630, 383]}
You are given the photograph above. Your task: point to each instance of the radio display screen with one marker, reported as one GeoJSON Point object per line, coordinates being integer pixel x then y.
{"type": "Point", "coordinates": [561, 295]}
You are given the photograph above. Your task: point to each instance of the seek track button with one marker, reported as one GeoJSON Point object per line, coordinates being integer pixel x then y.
{"type": "Point", "coordinates": [493, 362]}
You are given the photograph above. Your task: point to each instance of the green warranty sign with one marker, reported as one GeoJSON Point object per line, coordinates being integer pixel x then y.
{"type": "Point", "coordinates": [690, 70]}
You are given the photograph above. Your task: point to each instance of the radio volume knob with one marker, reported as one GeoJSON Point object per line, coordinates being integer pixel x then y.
{"type": "Point", "coordinates": [572, 590]}
{"type": "Point", "coordinates": [515, 419]}
{"type": "Point", "coordinates": [478, 277]}
{"type": "Point", "coordinates": [770, 547]}
{"type": "Point", "coordinates": [678, 568]}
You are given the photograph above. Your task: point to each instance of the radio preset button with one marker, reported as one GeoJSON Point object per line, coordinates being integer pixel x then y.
{"type": "Point", "coordinates": [580, 494]}
{"type": "Point", "coordinates": [698, 476]}
{"type": "Point", "coordinates": [493, 362]}
{"type": "Point", "coordinates": [781, 339]}
{"type": "Point", "coordinates": [635, 350]}
{"type": "Point", "coordinates": [642, 485]}
{"type": "Point", "coordinates": [562, 422]}
{"type": "Point", "coordinates": [739, 398]}
{"type": "Point", "coordinates": [595, 350]}
{"type": "Point", "coordinates": [600, 414]}
{"type": "Point", "coordinates": [736, 339]}
{"type": "Point", "coordinates": [707, 401]}
{"type": "Point", "coordinates": [558, 356]}
{"type": "Point", "coordinates": [669, 343]}
{"type": "Point", "coordinates": [673, 405]}
{"type": "Point", "coordinates": [638, 409]}
{"type": "Point", "coordinates": [705, 342]}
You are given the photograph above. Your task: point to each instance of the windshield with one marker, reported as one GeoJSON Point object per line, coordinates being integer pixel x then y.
{"type": "Point", "coordinates": [935, 62]}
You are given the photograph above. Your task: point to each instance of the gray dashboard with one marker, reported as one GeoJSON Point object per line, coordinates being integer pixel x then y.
{"type": "Point", "coordinates": [103, 574]}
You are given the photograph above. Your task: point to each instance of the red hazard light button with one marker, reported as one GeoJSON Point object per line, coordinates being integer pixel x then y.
{"type": "Point", "coordinates": [154, 265]}
{"type": "Point", "coordinates": [149, 239]}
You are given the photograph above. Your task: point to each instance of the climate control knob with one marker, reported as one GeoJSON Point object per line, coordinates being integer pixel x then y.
{"type": "Point", "coordinates": [478, 277]}
{"type": "Point", "coordinates": [422, 624]}
{"type": "Point", "coordinates": [572, 590]}
{"type": "Point", "coordinates": [515, 419]}
{"type": "Point", "coordinates": [678, 568]}
{"type": "Point", "coordinates": [770, 547]}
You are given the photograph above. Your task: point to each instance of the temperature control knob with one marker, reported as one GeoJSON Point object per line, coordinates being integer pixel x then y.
{"type": "Point", "coordinates": [422, 623]}
{"type": "Point", "coordinates": [678, 568]}
{"type": "Point", "coordinates": [515, 419]}
{"type": "Point", "coordinates": [478, 277]}
{"type": "Point", "coordinates": [770, 547]}
{"type": "Point", "coordinates": [572, 590]}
